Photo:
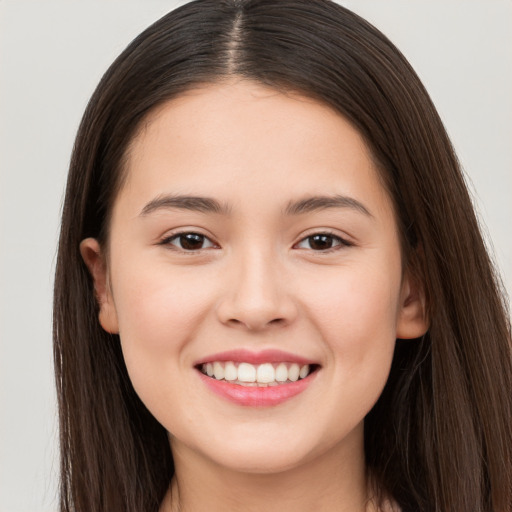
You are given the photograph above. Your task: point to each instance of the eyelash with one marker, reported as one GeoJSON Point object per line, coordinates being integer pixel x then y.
{"type": "Point", "coordinates": [340, 242]}
{"type": "Point", "coordinates": [167, 241]}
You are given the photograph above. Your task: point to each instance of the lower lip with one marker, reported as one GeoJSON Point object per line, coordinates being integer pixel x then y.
{"type": "Point", "coordinates": [254, 396]}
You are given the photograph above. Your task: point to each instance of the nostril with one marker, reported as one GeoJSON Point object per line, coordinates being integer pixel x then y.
{"type": "Point", "coordinates": [255, 325]}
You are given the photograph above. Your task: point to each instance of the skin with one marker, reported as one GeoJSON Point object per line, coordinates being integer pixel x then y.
{"type": "Point", "coordinates": [257, 282]}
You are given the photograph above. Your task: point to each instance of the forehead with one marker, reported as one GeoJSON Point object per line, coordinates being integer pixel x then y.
{"type": "Point", "coordinates": [241, 141]}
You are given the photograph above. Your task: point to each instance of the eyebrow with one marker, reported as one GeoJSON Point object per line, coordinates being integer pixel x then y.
{"type": "Point", "coordinates": [316, 203]}
{"type": "Point", "coordinates": [183, 202]}
{"type": "Point", "coordinates": [210, 205]}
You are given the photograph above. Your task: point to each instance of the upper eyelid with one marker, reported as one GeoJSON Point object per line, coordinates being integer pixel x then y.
{"type": "Point", "coordinates": [165, 240]}
{"type": "Point", "coordinates": [343, 241]}
{"type": "Point", "coordinates": [326, 231]}
{"type": "Point", "coordinates": [173, 234]}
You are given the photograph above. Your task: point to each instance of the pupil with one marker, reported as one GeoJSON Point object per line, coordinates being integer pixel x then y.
{"type": "Point", "coordinates": [191, 241]}
{"type": "Point", "coordinates": [321, 242]}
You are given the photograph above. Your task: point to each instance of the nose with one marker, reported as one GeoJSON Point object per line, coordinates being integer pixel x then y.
{"type": "Point", "coordinates": [256, 295]}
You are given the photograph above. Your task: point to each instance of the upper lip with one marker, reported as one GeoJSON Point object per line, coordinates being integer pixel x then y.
{"type": "Point", "coordinates": [263, 356]}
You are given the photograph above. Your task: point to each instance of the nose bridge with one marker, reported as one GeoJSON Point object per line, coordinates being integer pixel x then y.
{"type": "Point", "coordinates": [256, 293]}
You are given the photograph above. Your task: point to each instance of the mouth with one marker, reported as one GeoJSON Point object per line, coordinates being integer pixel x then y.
{"type": "Point", "coordinates": [256, 375]}
{"type": "Point", "coordinates": [264, 379]}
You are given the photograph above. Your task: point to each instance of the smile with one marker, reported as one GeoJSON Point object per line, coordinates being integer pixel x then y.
{"type": "Point", "coordinates": [261, 375]}
{"type": "Point", "coordinates": [262, 379]}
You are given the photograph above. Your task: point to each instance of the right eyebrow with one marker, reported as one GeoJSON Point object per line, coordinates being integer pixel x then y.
{"type": "Point", "coordinates": [184, 202]}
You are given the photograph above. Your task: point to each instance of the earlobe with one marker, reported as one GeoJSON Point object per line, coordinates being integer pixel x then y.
{"type": "Point", "coordinates": [412, 319]}
{"type": "Point", "coordinates": [91, 252]}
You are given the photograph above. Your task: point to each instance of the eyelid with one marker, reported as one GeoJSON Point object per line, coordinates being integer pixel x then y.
{"type": "Point", "coordinates": [343, 242]}
{"type": "Point", "coordinates": [169, 236]}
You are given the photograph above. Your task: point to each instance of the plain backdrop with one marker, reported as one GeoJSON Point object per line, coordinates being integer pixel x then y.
{"type": "Point", "coordinates": [53, 53]}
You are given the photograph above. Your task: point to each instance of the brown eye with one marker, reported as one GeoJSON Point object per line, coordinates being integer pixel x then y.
{"type": "Point", "coordinates": [322, 242]}
{"type": "Point", "coordinates": [189, 241]}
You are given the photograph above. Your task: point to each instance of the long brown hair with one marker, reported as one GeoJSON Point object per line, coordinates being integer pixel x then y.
{"type": "Point", "coordinates": [440, 436]}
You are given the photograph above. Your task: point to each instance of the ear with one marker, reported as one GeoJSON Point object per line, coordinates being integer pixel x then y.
{"type": "Point", "coordinates": [92, 255]}
{"type": "Point", "coordinates": [412, 319]}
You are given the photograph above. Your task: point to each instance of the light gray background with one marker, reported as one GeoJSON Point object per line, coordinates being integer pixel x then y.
{"type": "Point", "coordinates": [52, 54]}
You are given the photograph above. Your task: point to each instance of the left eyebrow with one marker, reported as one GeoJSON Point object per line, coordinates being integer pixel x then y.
{"type": "Point", "coordinates": [316, 203]}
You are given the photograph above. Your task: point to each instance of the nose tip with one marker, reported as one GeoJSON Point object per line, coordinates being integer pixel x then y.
{"type": "Point", "coordinates": [254, 321]}
{"type": "Point", "coordinates": [256, 299]}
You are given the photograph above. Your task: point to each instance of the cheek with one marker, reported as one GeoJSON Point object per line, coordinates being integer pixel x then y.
{"type": "Point", "coordinates": [356, 302]}
{"type": "Point", "coordinates": [157, 300]}
{"type": "Point", "coordinates": [356, 316]}
{"type": "Point", "coordinates": [159, 312]}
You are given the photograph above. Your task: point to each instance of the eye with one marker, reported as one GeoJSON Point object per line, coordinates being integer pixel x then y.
{"type": "Point", "coordinates": [188, 241]}
{"type": "Point", "coordinates": [322, 242]}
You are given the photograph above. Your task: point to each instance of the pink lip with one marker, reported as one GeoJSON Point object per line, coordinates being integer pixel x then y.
{"type": "Point", "coordinates": [254, 396]}
{"type": "Point", "coordinates": [264, 356]}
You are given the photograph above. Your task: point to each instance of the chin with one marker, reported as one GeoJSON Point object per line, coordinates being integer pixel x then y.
{"type": "Point", "coordinates": [260, 462]}
{"type": "Point", "coordinates": [266, 452]}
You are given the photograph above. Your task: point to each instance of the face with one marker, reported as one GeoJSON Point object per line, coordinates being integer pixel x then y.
{"type": "Point", "coordinates": [254, 276]}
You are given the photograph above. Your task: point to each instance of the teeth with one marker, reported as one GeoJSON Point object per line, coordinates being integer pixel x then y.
{"type": "Point", "coordinates": [230, 371]}
{"type": "Point", "coordinates": [266, 374]}
{"type": "Point", "coordinates": [246, 372]}
{"type": "Point", "coordinates": [281, 373]}
{"type": "Point", "coordinates": [218, 371]}
{"type": "Point", "coordinates": [293, 372]}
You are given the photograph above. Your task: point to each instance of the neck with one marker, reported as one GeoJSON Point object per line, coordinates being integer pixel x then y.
{"type": "Point", "coordinates": [332, 481]}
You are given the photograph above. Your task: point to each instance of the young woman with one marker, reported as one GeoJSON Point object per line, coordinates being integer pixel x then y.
{"type": "Point", "coordinates": [271, 291]}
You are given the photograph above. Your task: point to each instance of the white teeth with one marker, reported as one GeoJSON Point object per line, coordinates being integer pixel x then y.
{"type": "Point", "coordinates": [218, 371]}
{"type": "Point", "coordinates": [230, 371]}
{"type": "Point", "coordinates": [246, 372]}
{"type": "Point", "coordinates": [266, 374]}
{"type": "Point", "coordinates": [281, 373]}
{"type": "Point", "coordinates": [293, 372]}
